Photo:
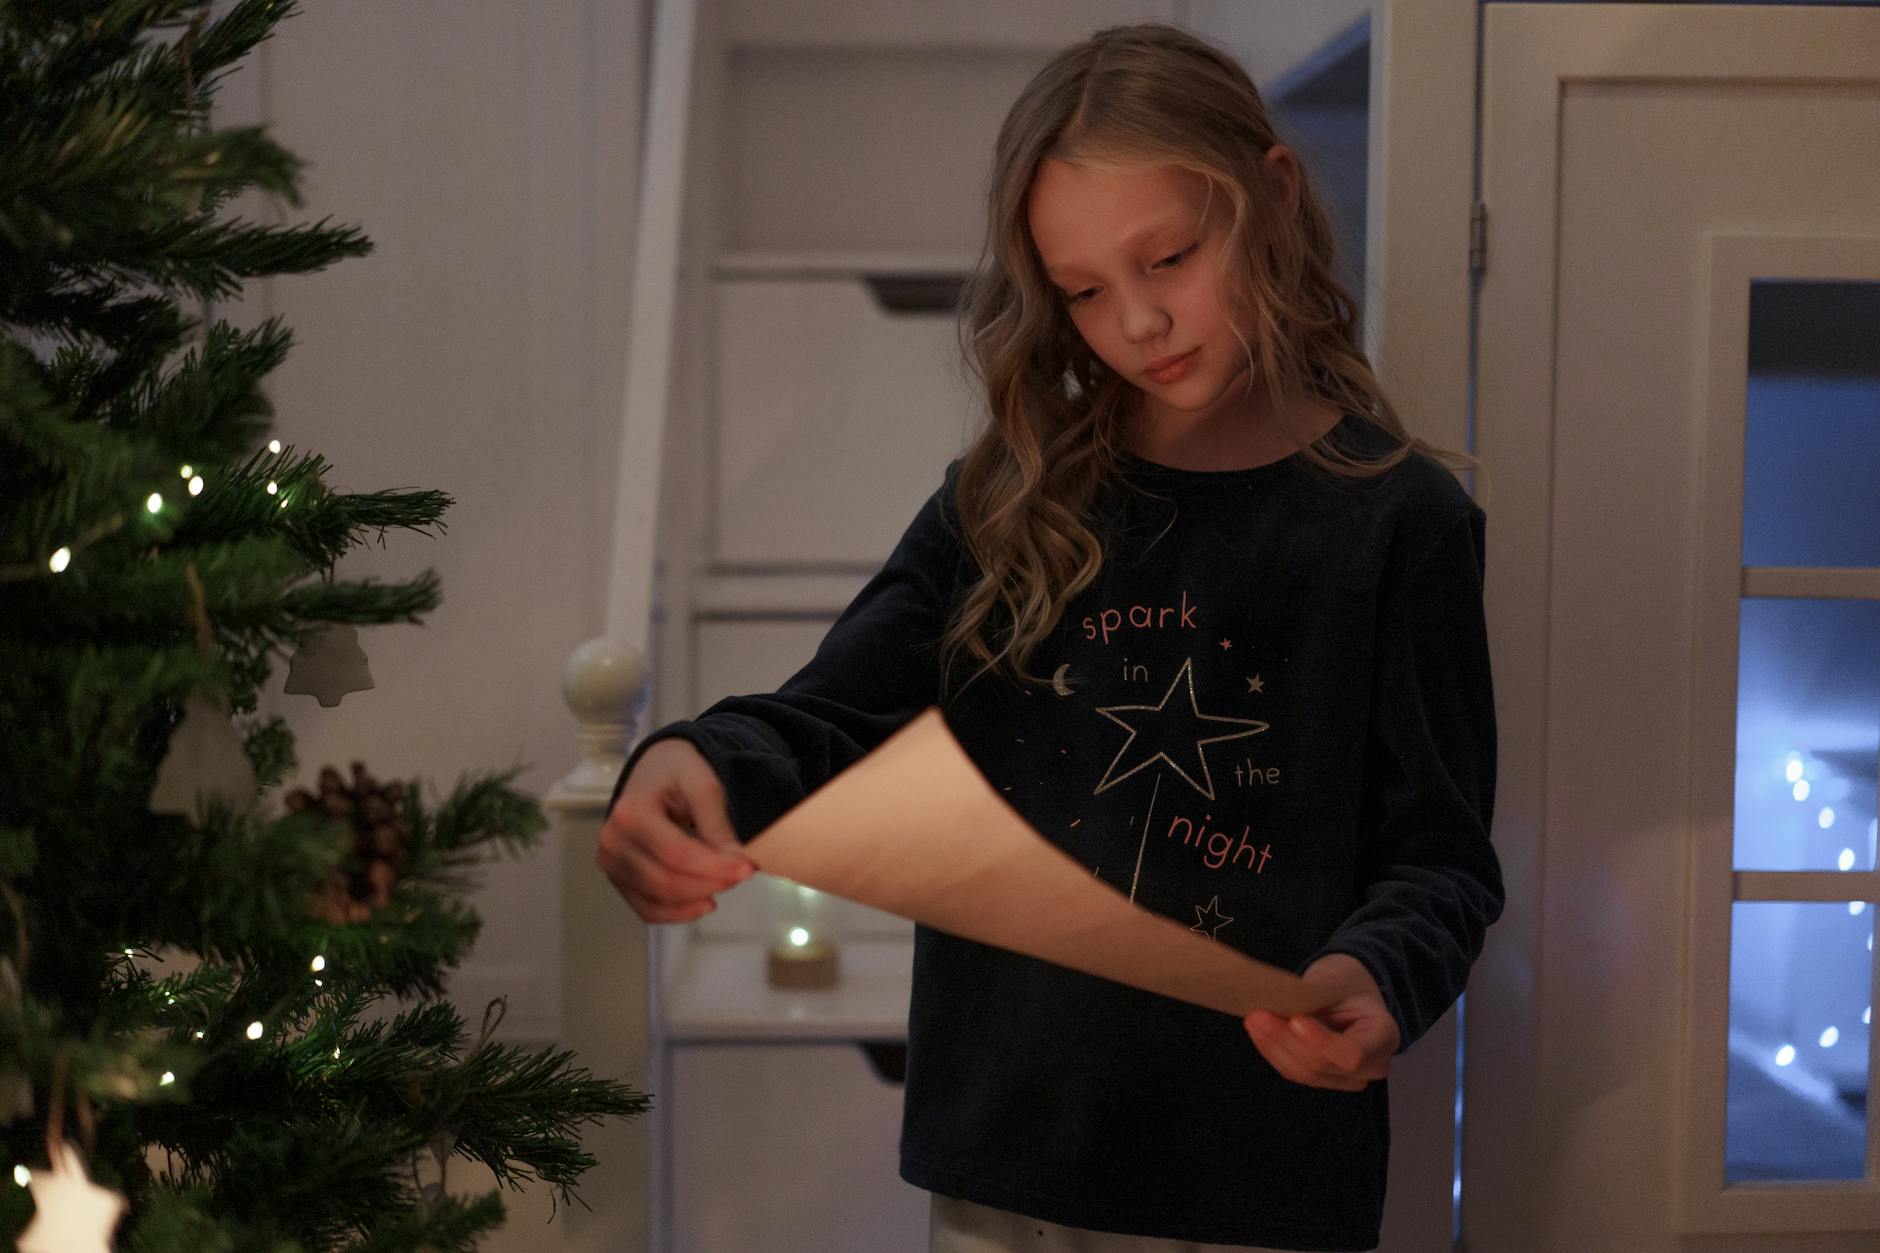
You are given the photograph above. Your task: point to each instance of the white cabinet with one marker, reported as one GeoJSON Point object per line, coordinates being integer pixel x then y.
{"type": "Point", "coordinates": [824, 394]}
{"type": "Point", "coordinates": [780, 1111]}
{"type": "Point", "coordinates": [788, 1147]}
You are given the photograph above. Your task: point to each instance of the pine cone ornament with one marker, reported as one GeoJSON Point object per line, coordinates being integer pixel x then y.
{"type": "Point", "coordinates": [381, 851]}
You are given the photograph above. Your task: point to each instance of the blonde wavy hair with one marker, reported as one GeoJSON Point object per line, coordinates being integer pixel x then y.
{"type": "Point", "coordinates": [1137, 95]}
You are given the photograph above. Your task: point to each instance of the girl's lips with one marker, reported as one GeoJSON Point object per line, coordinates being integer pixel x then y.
{"type": "Point", "coordinates": [1174, 369]}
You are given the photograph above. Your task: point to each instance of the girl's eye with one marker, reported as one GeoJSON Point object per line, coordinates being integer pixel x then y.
{"type": "Point", "coordinates": [1080, 296]}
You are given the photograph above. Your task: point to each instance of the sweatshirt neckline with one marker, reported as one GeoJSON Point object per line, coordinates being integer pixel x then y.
{"type": "Point", "coordinates": [1143, 470]}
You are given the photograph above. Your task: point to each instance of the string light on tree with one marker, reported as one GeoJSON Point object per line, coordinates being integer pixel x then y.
{"type": "Point", "coordinates": [60, 560]}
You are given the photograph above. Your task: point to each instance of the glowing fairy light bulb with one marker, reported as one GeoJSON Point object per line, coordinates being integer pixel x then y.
{"type": "Point", "coordinates": [186, 472]}
{"type": "Point", "coordinates": [798, 936]}
{"type": "Point", "coordinates": [60, 560]}
{"type": "Point", "coordinates": [169, 1077]}
{"type": "Point", "coordinates": [199, 1035]}
{"type": "Point", "coordinates": [1825, 818]}
{"type": "Point", "coordinates": [319, 962]}
{"type": "Point", "coordinates": [1846, 860]}
{"type": "Point", "coordinates": [195, 486]}
{"type": "Point", "coordinates": [1785, 1054]}
{"type": "Point", "coordinates": [274, 445]}
{"type": "Point", "coordinates": [1829, 1036]}
{"type": "Point", "coordinates": [22, 1176]}
{"type": "Point", "coordinates": [254, 1031]}
{"type": "Point", "coordinates": [273, 487]}
{"type": "Point", "coordinates": [155, 503]}
{"type": "Point", "coordinates": [1856, 908]}
{"type": "Point", "coordinates": [1801, 789]}
{"type": "Point", "coordinates": [1794, 770]}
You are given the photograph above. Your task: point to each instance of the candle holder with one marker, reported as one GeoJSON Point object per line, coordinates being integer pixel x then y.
{"type": "Point", "coordinates": [802, 953]}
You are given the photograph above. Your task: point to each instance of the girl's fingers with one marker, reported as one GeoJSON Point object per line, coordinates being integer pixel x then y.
{"type": "Point", "coordinates": [1296, 1059]}
{"type": "Point", "coordinates": [1336, 1050]}
{"type": "Point", "coordinates": [705, 806]}
{"type": "Point", "coordinates": [643, 905]}
{"type": "Point", "coordinates": [660, 882]}
{"type": "Point", "coordinates": [650, 910]}
{"type": "Point", "coordinates": [685, 853]}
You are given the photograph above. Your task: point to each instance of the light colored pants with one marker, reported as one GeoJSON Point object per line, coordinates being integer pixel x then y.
{"type": "Point", "coordinates": [960, 1226]}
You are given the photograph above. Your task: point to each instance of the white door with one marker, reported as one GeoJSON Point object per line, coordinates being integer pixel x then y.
{"type": "Point", "coordinates": [1678, 398]}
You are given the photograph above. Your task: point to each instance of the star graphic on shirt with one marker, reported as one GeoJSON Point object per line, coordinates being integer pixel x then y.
{"type": "Point", "coordinates": [1211, 910]}
{"type": "Point", "coordinates": [1227, 643]}
{"type": "Point", "coordinates": [1168, 731]}
{"type": "Point", "coordinates": [1255, 685]}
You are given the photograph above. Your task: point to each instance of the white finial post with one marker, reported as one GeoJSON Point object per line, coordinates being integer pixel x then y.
{"type": "Point", "coordinates": [604, 945]}
{"type": "Point", "coordinates": [605, 684]}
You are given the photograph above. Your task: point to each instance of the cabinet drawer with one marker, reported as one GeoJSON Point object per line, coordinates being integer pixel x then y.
{"type": "Point", "coordinates": [787, 1148]}
{"type": "Point", "coordinates": [836, 419]}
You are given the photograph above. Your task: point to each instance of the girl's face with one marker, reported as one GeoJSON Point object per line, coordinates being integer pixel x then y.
{"type": "Point", "coordinates": [1135, 262]}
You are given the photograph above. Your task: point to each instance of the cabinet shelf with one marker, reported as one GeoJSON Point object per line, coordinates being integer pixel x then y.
{"type": "Point", "coordinates": [715, 992]}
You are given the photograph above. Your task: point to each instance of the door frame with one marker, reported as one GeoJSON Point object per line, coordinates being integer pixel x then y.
{"type": "Point", "coordinates": [1418, 300]}
{"type": "Point", "coordinates": [1530, 53]}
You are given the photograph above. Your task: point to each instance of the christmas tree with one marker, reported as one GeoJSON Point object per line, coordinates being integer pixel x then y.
{"type": "Point", "coordinates": [222, 1013]}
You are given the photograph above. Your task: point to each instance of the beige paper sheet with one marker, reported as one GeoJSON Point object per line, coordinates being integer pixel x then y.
{"type": "Point", "coordinates": [914, 828]}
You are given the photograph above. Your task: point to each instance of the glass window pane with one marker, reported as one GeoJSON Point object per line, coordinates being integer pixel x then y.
{"type": "Point", "coordinates": [1807, 734]}
{"type": "Point", "coordinates": [1811, 450]}
{"type": "Point", "coordinates": [1801, 981]}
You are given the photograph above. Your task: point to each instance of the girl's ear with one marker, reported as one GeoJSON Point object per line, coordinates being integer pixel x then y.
{"type": "Point", "coordinates": [1285, 167]}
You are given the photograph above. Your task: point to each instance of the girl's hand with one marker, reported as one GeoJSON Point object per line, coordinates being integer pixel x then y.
{"type": "Point", "coordinates": [668, 844]}
{"type": "Point", "coordinates": [1347, 1045]}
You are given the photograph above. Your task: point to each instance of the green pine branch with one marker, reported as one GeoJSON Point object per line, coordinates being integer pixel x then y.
{"type": "Point", "coordinates": [170, 984]}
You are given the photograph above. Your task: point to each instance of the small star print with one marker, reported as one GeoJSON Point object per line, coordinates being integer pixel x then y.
{"type": "Point", "coordinates": [1227, 643]}
{"type": "Point", "coordinates": [1254, 684]}
{"type": "Point", "coordinates": [1203, 915]}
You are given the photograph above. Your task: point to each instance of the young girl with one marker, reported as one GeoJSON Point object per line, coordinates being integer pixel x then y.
{"type": "Point", "coordinates": [1224, 624]}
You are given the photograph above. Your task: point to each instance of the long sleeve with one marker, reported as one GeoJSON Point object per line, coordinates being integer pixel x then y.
{"type": "Point", "coordinates": [875, 669]}
{"type": "Point", "coordinates": [1432, 882]}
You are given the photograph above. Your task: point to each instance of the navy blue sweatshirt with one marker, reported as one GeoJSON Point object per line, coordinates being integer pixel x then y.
{"type": "Point", "coordinates": [1272, 721]}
